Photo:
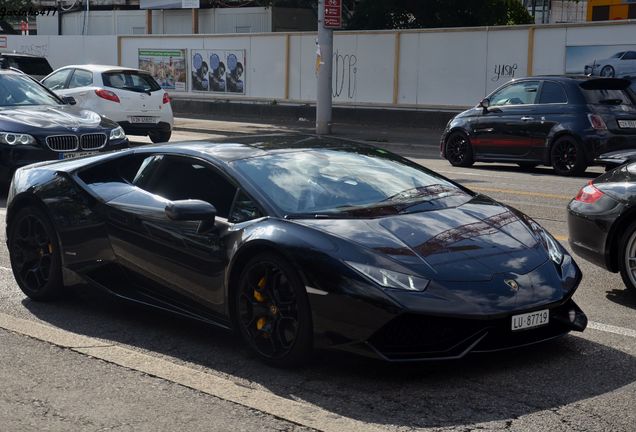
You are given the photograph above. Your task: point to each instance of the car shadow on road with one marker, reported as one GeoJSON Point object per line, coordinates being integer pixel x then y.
{"type": "Point", "coordinates": [480, 388]}
{"type": "Point", "coordinates": [622, 296]}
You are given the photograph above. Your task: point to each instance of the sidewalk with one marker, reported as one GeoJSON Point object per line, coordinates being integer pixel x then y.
{"type": "Point", "coordinates": [416, 142]}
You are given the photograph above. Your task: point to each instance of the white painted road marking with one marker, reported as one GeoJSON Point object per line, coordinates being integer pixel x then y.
{"type": "Point", "coordinates": [611, 329]}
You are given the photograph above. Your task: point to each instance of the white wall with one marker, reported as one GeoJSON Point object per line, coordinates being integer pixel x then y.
{"type": "Point", "coordinates": [449, 68]}
{"type": "Point", "coordinates": [65, 50]}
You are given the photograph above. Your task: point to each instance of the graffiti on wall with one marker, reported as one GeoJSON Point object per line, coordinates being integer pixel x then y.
{"type": "Point", "coordinates": [345, 71]}
{"type": "Point", "coordinates": [505, 71]}
{"type": "Point", "coordinates": [41, 50]}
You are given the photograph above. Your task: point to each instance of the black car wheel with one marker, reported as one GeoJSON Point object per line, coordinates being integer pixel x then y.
{"type": "Point", "coordinates": [272, 311]}
{"type": "Point", "coordinates": [459, 151]}
{"type": "Point", "coordinates": [35, 255]}
{"type": "Point", "coordinates": [160, 136]}
{"type": "Point", "coordinates": [568, 158]}
{"type": "Point", "coordinates": [608, 71]}
{"type": "Point", "coordinates": [627, 258]}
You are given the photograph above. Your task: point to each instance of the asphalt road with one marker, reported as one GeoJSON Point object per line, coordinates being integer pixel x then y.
{"type": "Point", "coordinates": [579, 382]}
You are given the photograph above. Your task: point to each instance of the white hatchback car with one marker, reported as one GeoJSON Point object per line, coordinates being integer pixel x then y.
{"type": "Point", "coordinates": [131, 97]}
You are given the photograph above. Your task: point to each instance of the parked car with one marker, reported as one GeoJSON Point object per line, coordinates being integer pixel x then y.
{"type": "Point", "coordinates": [296, 242]}
{"type": "Point", "coordinates": [621, 64]}
{"type": "Point", "coordinates": [565, 122]}
{"type": "Point", "coordinates": [131, 97]}
{"type": "Point", "coordinates": [602, 222]}
{"type": "Point", "coordinates": [36, 125]}
{"type": "Point", "coordinates": [35, 66]}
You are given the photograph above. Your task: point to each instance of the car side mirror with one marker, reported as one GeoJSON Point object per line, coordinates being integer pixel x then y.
{"type": "Point", "coordinates": [192, 210]}
{"type": "Point", "coordinates": [69, 100]}
{"type": "Point", "coordinates": [485, 103]}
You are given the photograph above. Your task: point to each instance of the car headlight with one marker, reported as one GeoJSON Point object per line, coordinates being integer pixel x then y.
{"type": "Point", "coordinates": [554, 249]}
{"type": "Point", "coordinates": [117, 134]}
{"type": "Point", "coordinates": [16, 138]}
{"type": "Point", "coordinates": [389, 278]}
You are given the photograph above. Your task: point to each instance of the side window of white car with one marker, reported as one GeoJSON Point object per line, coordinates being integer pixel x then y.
{"type": "Point", "coordinates": [629, 55]}
{"type": "Point", "coordinates": [81, 78]}
{"type": "Point", "coordinates": [57, 80]}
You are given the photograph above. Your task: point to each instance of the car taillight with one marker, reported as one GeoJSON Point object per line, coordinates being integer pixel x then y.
{"type": "Point", "coordinates": [589, 194]}
{"type": "Point", "coordinates": [597, 122]}
{"type": "Point", "coordinates": [107, 94]}
{"type": "Point", "coordinates": [166, 98]}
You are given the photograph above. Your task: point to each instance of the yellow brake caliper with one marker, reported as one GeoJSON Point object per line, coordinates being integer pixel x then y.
{"type": "Point", "coordinates": [260, 298]}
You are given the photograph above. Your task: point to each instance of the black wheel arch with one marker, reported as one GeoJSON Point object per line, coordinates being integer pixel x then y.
{"type": "Point", "coordinates": [561, 134]}
{"type": "Point", "coordinates": [30, 199]}
{"type": "Point", "coordinates": [243, 256]}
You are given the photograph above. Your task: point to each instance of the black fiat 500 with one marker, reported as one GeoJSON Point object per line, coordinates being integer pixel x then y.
{"type": "Point", "coordinates": [36, 125]}
{"type": "Point", "coordinates": [563, 122]}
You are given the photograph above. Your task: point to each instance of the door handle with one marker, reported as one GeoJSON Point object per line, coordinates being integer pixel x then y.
{"type": "Point", "coordinates": [527, 118]}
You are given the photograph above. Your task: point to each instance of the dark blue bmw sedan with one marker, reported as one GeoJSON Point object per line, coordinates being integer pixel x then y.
{"type": "Point", "coordinates": [36, 125]}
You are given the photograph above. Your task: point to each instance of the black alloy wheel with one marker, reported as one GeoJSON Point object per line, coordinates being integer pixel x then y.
{"type": "Point", "coordinates": [568, 158]}
{"type": "Point", "coordinates": [459, 151]}
{"type": "Point", "coordinates": [272, 311]}
{"type": "Point", "coordinates": [35, 256]}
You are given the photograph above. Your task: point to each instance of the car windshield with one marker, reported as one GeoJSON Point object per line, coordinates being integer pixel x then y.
{"type": "Point", "coordinates": [20, 90]}
{"type": "Point", "coordinates": [130, 80]}
{"type": "Point", "coordinates": [618, 55]}
{"type": "Point", "coordinates": [343, 183]}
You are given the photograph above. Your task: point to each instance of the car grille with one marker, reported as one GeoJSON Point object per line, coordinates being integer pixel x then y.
{"type": "Point", "coordinates": [62, 143]}
{"type": "Point", "coordinates": [93, 141]}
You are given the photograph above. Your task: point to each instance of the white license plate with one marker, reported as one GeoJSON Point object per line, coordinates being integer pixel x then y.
{"type": "Point", "coordinates": [73, 155]}
{"type": "Point", "coordinates": [627, 124]}
{"type": "Point", "coordinates": [143, 119]}
{"type": "Point", "coordinates": [530, 320]}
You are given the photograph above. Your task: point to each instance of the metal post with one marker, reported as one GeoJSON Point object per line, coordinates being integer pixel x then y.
{"type": "Point", "coordinates": [325, 71]}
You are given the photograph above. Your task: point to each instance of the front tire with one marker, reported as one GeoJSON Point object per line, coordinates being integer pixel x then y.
{"type": "Point", "coordinates": [35, 255]}
{"type": "Point", "coordinates": [608, 72]}
{"type": "Point", "coordinates": [160, 136]}
{"type": "Point", "coordinates": [627, 257]}
{"type": "Point", "coordinates": [272, 311]}
{"type": "Point", "coordinates": [568, 157]}
{"type": "Point", "coordinates": [459, 150]}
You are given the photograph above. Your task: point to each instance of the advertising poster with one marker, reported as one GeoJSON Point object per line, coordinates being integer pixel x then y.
{"type": "Point", "coordinates": [168, 67]}
{"type": "Point", "coordinates": [218, 71]}
{"type": "Point", "coordinates": [601, 60]}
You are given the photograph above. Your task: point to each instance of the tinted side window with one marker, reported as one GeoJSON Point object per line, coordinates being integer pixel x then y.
{"type": "Point", "coordinates": [630, 55]}
{"type": "Point", "coordinates": [57, 81]}
{"type": "Point", "coordinates": [244, 209]}
{"type": "Point", "coordinates": [31, 65]}
{"type": "Point", "coordinates": [522, 93]}
{"type": "Point", "coordinates": [552, 93]}
{"type": "Point", "coordinates": [181, 178]}
{"type": "Point", "coordinates": [81, 78]}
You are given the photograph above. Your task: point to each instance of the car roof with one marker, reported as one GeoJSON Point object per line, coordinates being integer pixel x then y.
{"type": "Point", "coordinates": [232, 149]}
{"type": "Point", "coordinates": [17, 54]}
{"type": "Point", "coordinates": [99, 68]}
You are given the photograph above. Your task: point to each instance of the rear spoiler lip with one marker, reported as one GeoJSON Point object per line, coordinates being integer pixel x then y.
{"type": "Point", "coordinates": [605, 84]}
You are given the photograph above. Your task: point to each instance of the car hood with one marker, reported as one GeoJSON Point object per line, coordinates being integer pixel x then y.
{"type": "Point", "coordinates": [473, 242]}
{"type": "Point", "coordinates": [51, 117]}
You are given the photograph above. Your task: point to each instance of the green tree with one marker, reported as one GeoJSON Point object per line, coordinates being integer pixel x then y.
{"type": "Point", "coordinates": [406, 14]}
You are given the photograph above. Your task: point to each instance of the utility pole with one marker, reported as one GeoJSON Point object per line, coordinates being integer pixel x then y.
{"type": "Point", "coordinates": [325, 72]}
